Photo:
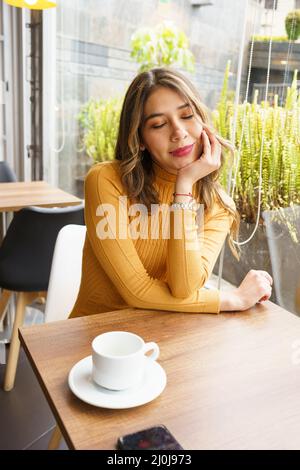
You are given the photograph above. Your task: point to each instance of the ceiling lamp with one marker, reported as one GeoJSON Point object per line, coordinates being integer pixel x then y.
{"type": "Point", "coordinates": [32, 4]}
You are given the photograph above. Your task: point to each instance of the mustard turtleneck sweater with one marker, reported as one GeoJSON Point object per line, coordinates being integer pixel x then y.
{"type": "Point", "coordinates": [162, 273]}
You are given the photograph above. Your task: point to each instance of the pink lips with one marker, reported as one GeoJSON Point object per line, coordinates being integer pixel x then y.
{"type": "Point", "coordinates": [182, 151]}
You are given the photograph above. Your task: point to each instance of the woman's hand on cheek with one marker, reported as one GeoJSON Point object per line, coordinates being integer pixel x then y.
{"type": "Point", "coordinates": [208, 162]}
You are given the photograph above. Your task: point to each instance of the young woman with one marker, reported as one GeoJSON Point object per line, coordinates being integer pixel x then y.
{"type": "Point", "coordinates": [167, 155]}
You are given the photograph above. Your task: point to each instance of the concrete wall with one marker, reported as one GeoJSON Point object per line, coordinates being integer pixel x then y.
{"type": "Point", "coordinates": [93, 54]}
{"type": "Point", "coordinates": [278, 28]}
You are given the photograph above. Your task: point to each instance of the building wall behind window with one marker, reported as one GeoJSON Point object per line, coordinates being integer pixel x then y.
{"type": "Point", "coordinates": [283, 7]}
{"type": "Point", "coordinates": [93, 57]}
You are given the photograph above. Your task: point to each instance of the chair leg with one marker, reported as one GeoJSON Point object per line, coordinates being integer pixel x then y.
{"type": "Point", "coordinates": [41, 297]}
{"type": "Point", "coordinates": [55, 439]}
{"type": "Point", "coordinates": [11, 367]}
{"type": "Point", "coordinates": [4, 299]}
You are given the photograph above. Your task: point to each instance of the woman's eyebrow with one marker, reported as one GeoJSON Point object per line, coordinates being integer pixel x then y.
{"type": "Point", "coordinates": [153, 115]}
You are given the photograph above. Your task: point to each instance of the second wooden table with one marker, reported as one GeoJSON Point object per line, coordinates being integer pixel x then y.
{"type": "Point", "coordinates": [16, 196]}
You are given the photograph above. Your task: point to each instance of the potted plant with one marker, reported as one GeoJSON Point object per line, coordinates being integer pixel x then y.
{"type": "Point", "coordinates": [275, 245]}
{"type": "Point", "coordinates": [162, 46]}
{"type": "Point", "coordinates": [99, 122]}
{"type": "Point", "coordinates": [292, 25]}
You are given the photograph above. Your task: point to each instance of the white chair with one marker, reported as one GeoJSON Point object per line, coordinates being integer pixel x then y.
{"type": "Point", "coordinates": [65, 273]}
{"type": "Point", "coordinates": [64, 284]}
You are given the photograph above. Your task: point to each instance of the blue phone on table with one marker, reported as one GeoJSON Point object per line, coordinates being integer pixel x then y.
{"type": "Point", "coordinates": [155, 438]}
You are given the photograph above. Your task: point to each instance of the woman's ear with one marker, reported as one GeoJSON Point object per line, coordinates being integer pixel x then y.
{"type": "Point", "coordinates": [142, 147]}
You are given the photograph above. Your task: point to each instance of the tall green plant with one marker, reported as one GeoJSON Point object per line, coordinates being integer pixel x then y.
{"type": "Point", "coordinates": [164, 45]}
{"type": "Point", "coordinates": [99, 120]}
{"type": "Point", "coordinates": [292, 25]}
{"type": "Point", "coordinates": [280, 154]}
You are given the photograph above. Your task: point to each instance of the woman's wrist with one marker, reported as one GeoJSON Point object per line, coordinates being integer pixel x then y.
{"type": "Point", "coordinates": [183, 190]}
{"type": "Point", "coordinates": [230, 301]}
{"type": "Point", "coordinates": [183, 197]}
{"type": "Point", "coordinates": [183, 185]}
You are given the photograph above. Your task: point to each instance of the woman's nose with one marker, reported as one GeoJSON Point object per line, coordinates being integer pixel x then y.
{"type": "Point", "coordinates": [178, 133]}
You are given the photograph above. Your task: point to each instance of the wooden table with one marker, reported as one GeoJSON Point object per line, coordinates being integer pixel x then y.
{"type": "Point", "coordinates": [233, 380]}
{"type": "Point", "coordinates": [16, 196]}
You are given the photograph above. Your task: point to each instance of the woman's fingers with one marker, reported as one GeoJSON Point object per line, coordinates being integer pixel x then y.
{"type": "Point", "coordinates": [215, 146]}
{"type": "Point", "coordinates": [206, 143]}
{"type": "Point", "coordinates": [267, 288]}
{"type": "Point", "coordinates": [211, 135]}
{"type": "Point", "coordinates": [264, 298]}
{"type": "Point", "coordinates": [267, 276]}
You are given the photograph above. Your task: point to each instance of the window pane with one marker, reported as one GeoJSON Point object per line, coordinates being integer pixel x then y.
{"type": "Point", "coordinates": [92, 62]}
{"type": "Point", "coordinates": [88, 67]}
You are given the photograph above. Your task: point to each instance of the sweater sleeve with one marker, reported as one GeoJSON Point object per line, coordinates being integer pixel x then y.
{"type": "Point", "coordinates": [118, 257]}
{"type": "Point", "coordinates": [192, 252]}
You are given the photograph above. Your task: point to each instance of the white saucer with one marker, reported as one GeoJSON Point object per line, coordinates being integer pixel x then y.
{"type": "Point", "coordinates": [83, 386]}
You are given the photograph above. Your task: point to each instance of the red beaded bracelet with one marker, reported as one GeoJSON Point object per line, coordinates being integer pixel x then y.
{"type": "Point", "coordinates": [183, 194]}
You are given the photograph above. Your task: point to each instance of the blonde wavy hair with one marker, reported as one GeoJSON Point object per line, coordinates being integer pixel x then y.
{"type": "Point", "coordinates": [136, 166]}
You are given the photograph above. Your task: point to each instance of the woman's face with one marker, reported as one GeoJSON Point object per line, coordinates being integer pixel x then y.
{"type": "Point", "coordinates": [171, 130]}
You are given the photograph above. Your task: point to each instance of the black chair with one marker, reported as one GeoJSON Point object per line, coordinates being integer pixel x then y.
{"type": "Point", "coordinates": [25, 263]}
{"type": "Point", "coordinates": [6, 173]}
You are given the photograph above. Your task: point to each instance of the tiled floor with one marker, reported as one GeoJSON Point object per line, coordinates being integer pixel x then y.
{"type": "Point", "coordinates": [24, 412]}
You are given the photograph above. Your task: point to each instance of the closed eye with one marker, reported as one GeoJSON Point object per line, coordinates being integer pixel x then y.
{"type": "Point", "coordinates": [158, 126]}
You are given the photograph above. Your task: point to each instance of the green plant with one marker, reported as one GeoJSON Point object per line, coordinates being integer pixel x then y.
{"type": "Point", "coordinates": [292, 24]}
{"type": "Point", "coordinates": [164, 45]}
{"type": "Point", "coordinates": [99, 120]}
{"type": "Point", "coordinates": [280, 154]}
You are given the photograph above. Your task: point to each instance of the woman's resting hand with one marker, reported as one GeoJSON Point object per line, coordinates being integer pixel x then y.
{"type": "Point", "coordinates": [255, 287]}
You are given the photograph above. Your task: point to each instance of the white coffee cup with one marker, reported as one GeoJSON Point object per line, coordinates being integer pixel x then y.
{"type": "Point", "coordinates": [119, 359]}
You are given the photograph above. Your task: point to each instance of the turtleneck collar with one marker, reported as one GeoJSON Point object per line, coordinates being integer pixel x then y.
{"type": "Point", "coordinates": [160, 172]}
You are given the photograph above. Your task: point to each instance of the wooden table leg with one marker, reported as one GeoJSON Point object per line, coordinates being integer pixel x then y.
{"type": "Point", "coordinates": [55, 439]}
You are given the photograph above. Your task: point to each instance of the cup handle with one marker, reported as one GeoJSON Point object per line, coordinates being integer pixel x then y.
{"type": "Point", "coordinates": [155, 347]}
